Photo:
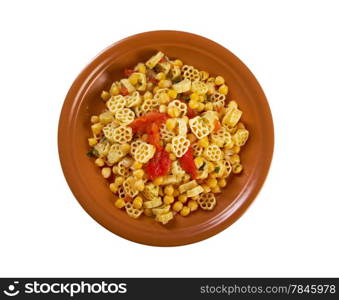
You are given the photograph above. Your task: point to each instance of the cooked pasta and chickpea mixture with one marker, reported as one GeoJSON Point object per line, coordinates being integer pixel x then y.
{"type": "Point", "coordinates": [168, 141]}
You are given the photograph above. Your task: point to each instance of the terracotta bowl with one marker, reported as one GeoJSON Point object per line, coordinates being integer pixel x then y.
{"type": "Point", "coordinates": [83, 100]}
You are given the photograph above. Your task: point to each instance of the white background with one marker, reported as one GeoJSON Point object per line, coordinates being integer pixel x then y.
{"type": "Point", "coordinates": [292, 227]}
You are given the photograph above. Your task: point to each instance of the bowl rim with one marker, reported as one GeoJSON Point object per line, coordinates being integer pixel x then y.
{"type": "Point", "coordinates": [96, 212]}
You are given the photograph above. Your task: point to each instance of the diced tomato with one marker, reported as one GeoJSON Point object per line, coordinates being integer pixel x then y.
{"type": "Point", "coordinates": [153, 133]}
{"type": "Point", "coordinates": [153, 80]}
{"type": "Point", "coordinates": [188, 164]}
{"type": "Point", "coordinates": [217, 125]}
{"type": "Point", "coordinates": [142, 123]}
{"type": "Point", "coordinates": [191, 113]}
{"type": "Point", "coordinates": [218, 109]}
{"type": "Point", "coordinates": [159, 165]}
{"type": "Point", "coordinates": [128, 72]}
{"type": "Point", "coordinates": [128, 199]}
{"type": "Point", "coordinates": [124, 91]}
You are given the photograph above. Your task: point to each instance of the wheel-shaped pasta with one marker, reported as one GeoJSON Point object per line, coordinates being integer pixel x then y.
{"type": "Point", "coordinates": [115, 103]}
{"type": "Point", "coordinates": [126, 83]}
{"type": "Point", "coordinates": [176, 169]}
{"type": "Point", "coordinates": [134, 146]}
{"type": "Point", "coordinates": [240, 137]}
{"type": "Point", "coordinates": [115, 154]}
{"type": "Point", "coordinates": [133, 100]}
{"type": "Point", "coordinates": [123, 170]}
{"type": "Point", "coordinates": [175, 72]}
{"type": "Point", "coordinates": [125, 116]}
{"type": "Point", "coordinates": [155, 202]}
{"type": "Point", "coordinates": [200, 127]}
{"type": "Point", "coordinates": [144, 152]}
{"type": "Point", "coordinates": [221, 137]}
{"type": "Point", "coordinates": [165, 67]}
{"type": "Point", "coordinates": [151, 191]}
{"type": "Point", "coordinates": [164, 218]}
{"type": "Point", "coordinates": [217, 97]}
{"type": "Point", "coordinates": [228, 167]}
{"type": "Point", "coordinates": [195, 191]}
{"type": "Point", "coordinates": [102, 148]}
{"type": "Point", "coordinates": [182, 127]}
{"type": "Point", "coordinates": [161, 210]}
{"type": "Point", "coordinates": [133, 212]}
{"type": "Point", "coordinates": [199, 87]}
{"type": "Point", "coordinates": [158, 93]}
{"type": "Point", "coordinates": [141, 81]}
{"type": "Point", "coordinates": [180, 145]}
{"type": "Point", "coordinates": [153, 61]}
{"type": "Point", "coordinates": [182, 86]}
{"type": "Point", "coordinates": [166, 134]}
{"type": "Point", "coordinates": [213, 153]}
{"type": "Point", "coordinates": [129, 188]}
{"type": "Point", "coordinates": [197, 150]}
{"type": "Point", "coordinates": [138, 111]}
{"type": "Point", "coordinates": [189, 72]}
{"type": "Point", "coordinates": [207, 201]}
{"type": "Point", "coordinates": [182, 107]}
{"type": "Point", "coordinates": [149, 105]}
{"type": "Point", "coordinates": [108, 131]}
{"type": "Point", "coordinates": [122, 134]}
{"type": "Point", "coordinates": [121, 192]}
{"type": "Point", "coordinates": [232, 117]}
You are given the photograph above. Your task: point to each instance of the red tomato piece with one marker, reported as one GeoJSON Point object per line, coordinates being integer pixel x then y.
{"type": "Point", "coordinates": [142, 123]}
{"type": "Point", "coordinates": [124, 91]}
{"type": "Point", "coordinates": [217, 125]}
{"type": "Point", "coordinates": [154, 135]}
{"type": "Point", "coordinates": [188, 164]}
{"type": "Point", "coordinates": [191, 113]}
{"type": "Point", "coordinates": [128, 72]}
{"type": "Point", "coordinates": [159, 165]}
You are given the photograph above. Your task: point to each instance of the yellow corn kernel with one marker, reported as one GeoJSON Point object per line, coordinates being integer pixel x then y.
{"type": "Point", "coordinates": [164, 98]}
{"type": "Point", "coordinates": [236, 149]}
{"type": "Point", "coordinates": [113, 187]}
{"type": "Point", "coordinates": [133, 79]}
{"type": "Point", "coordinates": [136, 165]}
{"type": "Point", "coordinates": [160, 76]}
{"type": "Point", "coordinates": [185, 211]}
{"type": "Point", "coordinates": [106, 172]}
{"type": "Point", "coordinates": [119, 180]}
{"type": "Point", "coordinates": [148, 95]}
{"type": "Point", "coordinates": [223, 89]}
{"type": "Point", "coordinates": [219, 80]}
{"type": "Point", "coordinates": [137, 202]}
{"type": "Point", "coordinates": [193, 104]}
{"type": "Point", "coordinates": [114, 90]}
{"type": "Point", "coordinates": [192, 205]}
{"type": "Point", "coordinates": [208, 106]}
{"type": "Point", "coordinates": [171, 123]}
{"type": "Point", "coordinates": [203, 142]}
{"type": "Point", "coordinates": [204, 75]}
{"type": "Point", "coordinates": [119, 203]}
{"type": "Point", "coordinates": [186, 178]}
{"type": "Point", "coordinates": [155, 89]}
{"type": "Point", "coordinates": [168, 199]}
{"type": "Point", "coordinates": [194, 97]}
{"type": "Point", "coordinates": [176, 193]}
{"type": "Point", "coordinates": [191, 137]}
{"type": "Point", "coordinates": [235, 159]}
{"type": "Point", "coordinates": [201, 107]}
{"type": "Point", "coordinates": [206, 188]}
{"type": "Point", "coordinates": [173, 112]}
{"type": "Point", "coordinates": [177, 206]}
{"type": "Point", "coordinates": [232, 104]}
{"type": "Point", "coordinates": [212, 182]}
{"type": "Point", "coordinates": [237, 168]}
{"type": "Point", "coordinates": [168, 147]}
{"type": "Point", "coordinates": [92, 142]}
{"type": "Point", "coordinates": [96, 128]}
{"type": "Point", "coordinates": [138, 173]}
{"type": "Point", "coordinates": [172, 156]}
{"type": "Point", "coordinates": [99, 162]}
{"type": "Point", "coordinates": [164, 83]}
{"type": "Point", "coordinates": [105, 95]}
{"type": "Point", "coordinates": [94, 119]}
{"type": "Point", "coordinates": [144, 137]}
{"type": "Point", "coordinates": [198, 161]}
{"type": "Point", "coordinates": [169, 190]}
{"type": "Point", "coordinates": [158, 181]}
{"type": "Point", "coordinates": [178, 63]}
{"type": "Point", "coordinates": [139, 185]}
{"type": "Point", "coordinates": [141, 68]}
{"type": "Point", "coordinates": [182, 198]}
{"type": "Point", "coordinates": [115, 170]}
{"type": "Point", "coordinates": [213, 175]}
{"type": "Point", "coordinates": [163, 108]}
{"type": "Point", "coordinates": [186, 119]}
{"type": "Point", "coordinates": [125, 148]}
{"type": "Point", "coordinates": [211, 167]}
{"type": "Point", "coordinates": [148, 212]}
{"type": "Point", "coordinates": [106, 117]}
{"type": "Point", "coordinates": [172, 93]}
{"type": "Point", "coordinates": [216, 190]}
{"type": "Point", "coordinates": [222, 183]}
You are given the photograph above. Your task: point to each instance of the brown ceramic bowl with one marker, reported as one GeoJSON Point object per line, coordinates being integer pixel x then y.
{"type": "Point", "coordinates": [83, 100]}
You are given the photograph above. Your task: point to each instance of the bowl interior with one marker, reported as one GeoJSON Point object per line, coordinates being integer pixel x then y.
{"type": "Point", "coordinates": [84, 100]}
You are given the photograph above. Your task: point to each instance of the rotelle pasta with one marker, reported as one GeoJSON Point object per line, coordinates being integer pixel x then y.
{"type": "Point", "coordinates": [168, 140]}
